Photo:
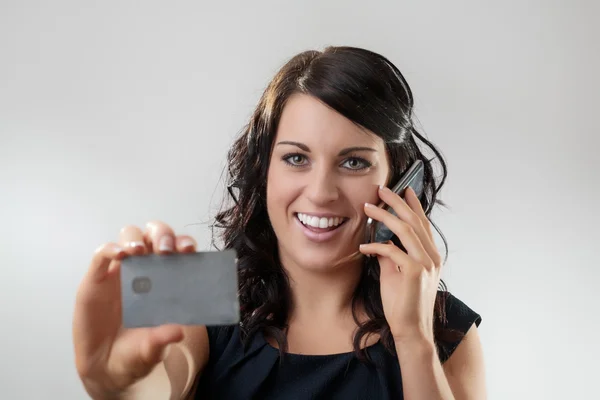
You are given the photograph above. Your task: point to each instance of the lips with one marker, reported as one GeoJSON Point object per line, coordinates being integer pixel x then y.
{"type": "Point", "coordinates": [318, 234]}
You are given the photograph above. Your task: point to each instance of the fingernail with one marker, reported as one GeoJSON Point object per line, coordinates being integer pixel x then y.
{"type": "Point", "coordinates": [384, 188]}
{"type": "Point", "coordinates": [134, 244]}
{"type": "Point", "coordinates": [165, 243]}
{"type": "Point", "coordinates": [187, 242]}
{"type": "Point", "coordinates": [369, 205]}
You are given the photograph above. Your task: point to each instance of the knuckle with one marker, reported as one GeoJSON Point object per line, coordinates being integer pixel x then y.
{"type": "Point", "coordinates": [186, 239]}
{"type": "Point", "coordinates": [84, 367]}
{"type": "Point", "coordinates": [405, 228]}
{"type": "Point", "coordinates": [128, 228]}
{"type": "Point", "coordinates": [103, 249]}
{"type": "Point", "coordinates": [88, 367]}
{"type": "Point", "coordinates": [390, 249]}
{"type": "Point", "coordinates": [154, 224]}
{"type": "Point", "coordinates": [156, 227]}
{"type": "Point", "coordinates": [414, 220]}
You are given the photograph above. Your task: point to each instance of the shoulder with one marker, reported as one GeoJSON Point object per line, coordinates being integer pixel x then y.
{"type": "Point", "coordinates": [462, 355]}
{"type": "Point", "coordinates": [459, 318]}
{"type": "Point", "coordinates": [219, 338]}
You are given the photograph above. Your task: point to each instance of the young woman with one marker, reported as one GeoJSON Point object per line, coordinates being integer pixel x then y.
{"type": "Point", "coordinates": [323, 315]}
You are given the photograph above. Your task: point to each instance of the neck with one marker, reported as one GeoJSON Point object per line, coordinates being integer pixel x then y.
{"type": "Point", "coordinates": [323, 295]}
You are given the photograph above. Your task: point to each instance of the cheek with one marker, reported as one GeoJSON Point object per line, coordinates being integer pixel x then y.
{"type": "Point", "coordinates": [365, 192]}
{"type": "Point", "coordinates": [280, 192]}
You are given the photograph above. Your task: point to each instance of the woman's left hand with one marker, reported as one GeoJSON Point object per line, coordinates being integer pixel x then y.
{"type": "Point", "coordinates": [409, 280]}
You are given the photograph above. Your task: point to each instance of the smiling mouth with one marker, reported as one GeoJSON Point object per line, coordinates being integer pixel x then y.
{"type": "Point", "coordinates": [322, 224]}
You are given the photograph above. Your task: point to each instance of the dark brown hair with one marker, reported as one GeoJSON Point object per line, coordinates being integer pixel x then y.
{"type": "Point", "coordinates": [369, 90]}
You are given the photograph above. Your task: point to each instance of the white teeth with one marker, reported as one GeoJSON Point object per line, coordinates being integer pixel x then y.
{"type": "Point", "coordinates": [317, 222]}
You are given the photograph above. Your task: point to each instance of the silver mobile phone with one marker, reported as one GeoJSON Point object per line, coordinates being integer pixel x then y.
{"type": "Point", "coordinates": [185, 288]}
{"type": "Point", "coordinates": [376, 231]}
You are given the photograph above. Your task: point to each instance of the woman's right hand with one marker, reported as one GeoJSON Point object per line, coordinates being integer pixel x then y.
{"type": "Point", "coordinates": [109, 359]}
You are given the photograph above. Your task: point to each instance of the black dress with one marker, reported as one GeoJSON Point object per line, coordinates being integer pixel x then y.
{"type": "Point", "coordinates": [232, 373]}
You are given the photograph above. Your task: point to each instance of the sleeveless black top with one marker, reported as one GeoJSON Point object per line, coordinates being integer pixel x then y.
{"type": "Point", "coordinates": [232, 373]}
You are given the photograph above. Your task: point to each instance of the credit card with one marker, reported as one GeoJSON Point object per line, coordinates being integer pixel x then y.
{"type": "Point", "coordinates": [183, 288]}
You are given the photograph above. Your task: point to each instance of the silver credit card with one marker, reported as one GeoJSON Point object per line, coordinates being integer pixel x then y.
{"type": "Point", "coordinates": [188, 289]}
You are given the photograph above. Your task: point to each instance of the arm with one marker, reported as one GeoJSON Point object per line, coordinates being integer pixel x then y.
{"type": "Point", "coordinates": [460, 378]}
{"type": "Point", "coordinates": [465, 369]}
{"type": "Point", "coordinates": [174, 378]}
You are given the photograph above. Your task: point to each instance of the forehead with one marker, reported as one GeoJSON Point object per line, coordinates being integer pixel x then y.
{"type": "Point", "coordinates": [306, 119]}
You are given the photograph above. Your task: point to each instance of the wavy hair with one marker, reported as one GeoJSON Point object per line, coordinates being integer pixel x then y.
{"type": "Point", "coordinates": [369, 90]}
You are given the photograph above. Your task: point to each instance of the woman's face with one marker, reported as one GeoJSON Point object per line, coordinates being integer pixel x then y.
{"type": "Point", "coordinates": [322, 170]}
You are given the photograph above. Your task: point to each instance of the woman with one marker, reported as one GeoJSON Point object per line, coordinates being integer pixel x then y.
{"type": "Point", "coordinates": [331, 132]}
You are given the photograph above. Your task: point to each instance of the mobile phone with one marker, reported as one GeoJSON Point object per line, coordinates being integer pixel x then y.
{"type": "Point", "coordinates": [184, 288]}
{"type": "Point", "coordinates": [376, 231]}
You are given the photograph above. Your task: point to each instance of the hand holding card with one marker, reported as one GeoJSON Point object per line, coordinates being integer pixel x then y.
{"type": "Point", "coordinates": [136, 298]}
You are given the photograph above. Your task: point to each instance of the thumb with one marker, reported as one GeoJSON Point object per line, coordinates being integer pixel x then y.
{"type": "Point", "coordinates": [153, 350]}
{"type": "Point", "coordinates": [138, 351]}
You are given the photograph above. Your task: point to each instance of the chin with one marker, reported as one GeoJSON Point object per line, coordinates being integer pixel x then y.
{"type": "Point", "coordinates": [319, 260]}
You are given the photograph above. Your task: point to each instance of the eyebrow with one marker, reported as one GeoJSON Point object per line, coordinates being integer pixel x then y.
{"type": "Point", "coordinates": [343, 152]}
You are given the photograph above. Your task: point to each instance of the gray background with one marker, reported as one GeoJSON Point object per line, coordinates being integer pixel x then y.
{"type": "Point", "coordinates": [119, 112]}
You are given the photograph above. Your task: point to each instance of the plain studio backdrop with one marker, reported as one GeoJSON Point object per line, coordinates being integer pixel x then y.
{"type": "Point", "coordinates": [114, 113]}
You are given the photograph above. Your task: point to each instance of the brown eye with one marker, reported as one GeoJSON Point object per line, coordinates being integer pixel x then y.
{"type": "Point", "coordinates": [295, 160]}
{"type": "Point", "coordinates": [356, 164]}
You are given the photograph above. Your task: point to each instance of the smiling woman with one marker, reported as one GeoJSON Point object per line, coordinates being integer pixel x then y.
{"type": "Point", "coordinates": [330, 129]}
{"type": "Point", "coordinates": [331, 132]}
{"type": "Point", "coordinates": [322, 166]}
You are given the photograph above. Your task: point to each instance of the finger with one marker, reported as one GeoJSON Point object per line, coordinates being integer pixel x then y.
{"type": "Point", "coordinates": [160, 236]}
{"type": "Point", "coordinates": [401, 260]}
{"type": "Point", "coordinates": [96, 292]}
{"type": "Point", "coordinates": [137, 351]}
{"type": "Point", "coordinates": [401, 208]}
{"type": "Point", "coordinates": [101, 261]}
{"type": "Point", "coordinates": [407, 214]}
{"type": "Point", "coordinates": [406, 233]}
{"type": "Point", "coordinates": [153, 350]}
{"type": "Point", "coordinates": [131, 238]}
{"type": "Point", "coordinates": [413, 201]}
{"type": "Point", "coordinates": [185, 244]}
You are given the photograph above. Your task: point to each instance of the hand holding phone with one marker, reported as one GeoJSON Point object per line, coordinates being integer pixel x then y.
{"type": "Point", "coordinates": [376, 231]}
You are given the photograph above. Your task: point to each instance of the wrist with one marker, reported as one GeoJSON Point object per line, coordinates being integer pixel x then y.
{"type": "Point", "coordinates": [419, 345]}
{"type": "Point", "coordinates": [414, 337]}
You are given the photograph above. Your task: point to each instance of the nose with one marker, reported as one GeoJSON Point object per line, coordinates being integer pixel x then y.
{"type": "Point", "coordinates": [322, 188]}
